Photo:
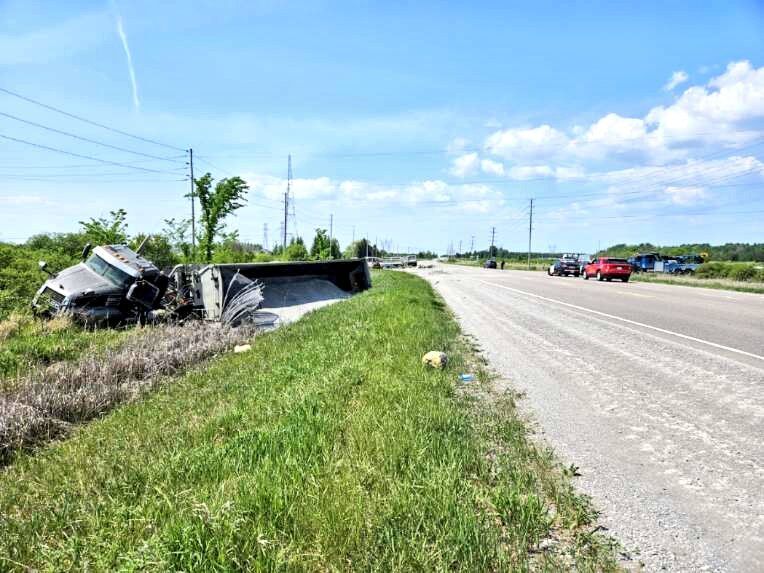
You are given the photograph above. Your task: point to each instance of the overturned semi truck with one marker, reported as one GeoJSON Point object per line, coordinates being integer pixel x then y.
{"type": "Point", "coordinates": [114, 285]}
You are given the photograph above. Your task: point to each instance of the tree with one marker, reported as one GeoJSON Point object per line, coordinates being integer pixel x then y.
{"type": "Point", "coordinates": [323, 247]}
{"type": "Point", "coordinates": [216, 205]}
{"type": "Point", "coordinates": [157, 249]}
{"type": "Point", "coordinates": [177, 234]}
{"type": "Point", "coordinates": [103, 231]}
{"type": "Point", "coordinates": [320, 248]}
{"type": "Point", "coordinates": [296, 250]}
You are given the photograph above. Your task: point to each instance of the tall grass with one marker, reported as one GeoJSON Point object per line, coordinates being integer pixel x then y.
{"type": "Point", "coordinates": [27, 344]}
{"type": "Point", "coordinates": [327, 447]}
{"type": "Point", "coordinates": [44, 404]}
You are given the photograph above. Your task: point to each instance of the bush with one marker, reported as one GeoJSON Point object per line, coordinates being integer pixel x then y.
{"type": "Point", "coordinates": [743, 273]}
{"type": "Point", "coordinates": [713, 270]}
{"type": "Point", "coordinates": [20, 276]}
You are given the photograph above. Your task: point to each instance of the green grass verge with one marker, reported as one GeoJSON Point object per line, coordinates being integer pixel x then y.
{"type": "Point", "coordinates": [26, 343]}
{"type": "Point", "coordinates": [327, 447]}
{"type": "Point", "coordinates": [536, 264]}
{"type": "Point", "coordinates": [718, 284]}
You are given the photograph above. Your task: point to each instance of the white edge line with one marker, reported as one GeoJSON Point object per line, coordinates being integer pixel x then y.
{"type": "Point", "coordinates": [626, 320]}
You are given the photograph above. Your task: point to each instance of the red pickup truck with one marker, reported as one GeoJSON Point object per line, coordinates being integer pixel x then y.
{"type": "Point", "coordinates": [606, 268]}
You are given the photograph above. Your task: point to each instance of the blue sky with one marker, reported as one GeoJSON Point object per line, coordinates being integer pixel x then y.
{"type": "Point", "coordinates": [419, 123]}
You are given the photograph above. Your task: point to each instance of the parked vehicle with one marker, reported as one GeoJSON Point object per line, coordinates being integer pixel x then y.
{"type": "Point", "coordinates": [679, 265]}
{"type": "Point", "coordinates": [644, 262]}
{"type": "Point", "coordinates": [565, 266]}
{"type": "Point", "coordinates": [393, 263]}
{"type": "Point", "coordinates": [490, 264]}
{"type": "Point", "coordinates": [411, 261]}
{"type": "Point", "coordinates": [657, 263]}
{"type": "Point", "coordinates": [607, 268]}
{"type": "Point", "coordinates": [373, 262]}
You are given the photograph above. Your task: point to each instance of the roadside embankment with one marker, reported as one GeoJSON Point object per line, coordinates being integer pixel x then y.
{"type": "Point", "coordinates": [327, 446]}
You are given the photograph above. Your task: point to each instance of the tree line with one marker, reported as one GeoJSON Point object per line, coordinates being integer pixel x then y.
{"type": "Point", "coordinates": [748, 252]}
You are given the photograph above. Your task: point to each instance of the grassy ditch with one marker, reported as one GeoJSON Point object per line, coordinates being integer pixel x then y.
{"type": "Point", "coordinates": [26, 343]}
{"type": "Point", "coordinates": [326, 447]}
{"type": "Point", "coordinates": [536, 264]}
{"type": "Point", "coordinates": [693, 281]}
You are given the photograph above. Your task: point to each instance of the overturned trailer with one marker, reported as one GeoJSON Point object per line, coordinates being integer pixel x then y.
{"type": "Point", "coordinates": [282, 283]}
{"type": "Point", "coordinates": [114, 285]}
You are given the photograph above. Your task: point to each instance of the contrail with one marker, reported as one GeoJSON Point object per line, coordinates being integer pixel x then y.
{"type": "Point", "coordinates": [130, 68]}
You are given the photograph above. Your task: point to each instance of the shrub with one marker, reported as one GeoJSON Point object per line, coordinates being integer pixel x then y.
{"type": "Point", "coordinates": [743, 273]}
{"type": "Point", "coordinates": [714, 270]}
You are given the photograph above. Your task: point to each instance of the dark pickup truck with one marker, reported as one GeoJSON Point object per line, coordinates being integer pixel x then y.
{"type": "Point", "coordinates": [565, 266]}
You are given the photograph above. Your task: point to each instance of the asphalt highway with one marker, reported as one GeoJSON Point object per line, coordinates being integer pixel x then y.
{"type": "Point", "coordinates": [656, 392]}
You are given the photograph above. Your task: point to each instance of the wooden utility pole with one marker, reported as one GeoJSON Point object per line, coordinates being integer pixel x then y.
{"type": "Point", "coordinates": [193, 207]}
{"type": "Point", "coordinates": [493, 238]}
{"type": "Point", "coordinates": [530, 232]}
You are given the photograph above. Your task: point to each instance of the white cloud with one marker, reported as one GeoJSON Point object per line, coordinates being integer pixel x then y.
{"type": "Point", "coordinates": [614, 130]}
{"type": "Point", "coordinates": [706, 173]}
{"type": "Point", "coordinates": [728, 110]}
{"type": "Point", "coordinates": [685, 195]}
{"type": "Point", "coordinates": [465, 165]}
{"type": "Point", "coordinates": [569, 173]}
{"type": "Point", "coordinates": [492, 167]}
{"type": "Point", "coordinates": [722, 111]}
{"type": "Point", "coordinates": [677, 78]}
{"type": "Point", "coordinates": [464, 197]}
{"type": "Point", "coordinates": [273, 188]}
{"type": "Point", "coordinates": [524, 172]}
{"type": "Point", "coordinates": [531, 143]}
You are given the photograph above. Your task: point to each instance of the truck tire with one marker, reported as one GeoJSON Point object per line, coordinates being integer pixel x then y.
{"type": "Point", "coordinates": [599, 276]}
{"type": "Point", "coordinates": [625, 279]}
{"type": "Point", "coordinates": [586, 277]}
{"type": "Point", "coordinates": [549, 271]}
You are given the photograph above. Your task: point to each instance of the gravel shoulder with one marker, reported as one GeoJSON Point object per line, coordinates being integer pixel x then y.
{"type": "Point", "coordinates": [666, 431]}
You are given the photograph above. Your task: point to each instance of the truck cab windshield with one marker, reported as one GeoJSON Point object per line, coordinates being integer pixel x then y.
{"type": "Point", "coordinates": [110, 273]}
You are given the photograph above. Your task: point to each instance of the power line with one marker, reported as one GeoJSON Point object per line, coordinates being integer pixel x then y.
{"type": "Point", "coordinates": [99, 181]}
{"type": "Point", "coordinates": [79, 166]}
{"type": "Point", "coordinates": [81, 156]}
{"type": "Point", "coordinates": [44, 176]}
{"type": "Point", "coordinates": [79, 137]}
{"type": "Point", "coordinates": [89, 121]}
{"type": "Point", "coordinates": [204, 160]}
{"type": "Point", "coordinates": [411, 152]}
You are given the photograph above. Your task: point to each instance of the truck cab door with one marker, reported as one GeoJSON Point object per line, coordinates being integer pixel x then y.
{"type": "Point", "coordinates": [143, 294]}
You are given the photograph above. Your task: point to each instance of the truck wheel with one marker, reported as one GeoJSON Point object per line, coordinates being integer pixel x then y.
{"type": "Point", "coordinates": [599, 276]}
{"type": "Point", "coordinates": [586, 277]}
{"type": "Point", "coordinates": [576, 275]}
{"type": "Point", "coordinates": [625, 279]}
{"type": "Point", "coordinates": [549, 271]}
